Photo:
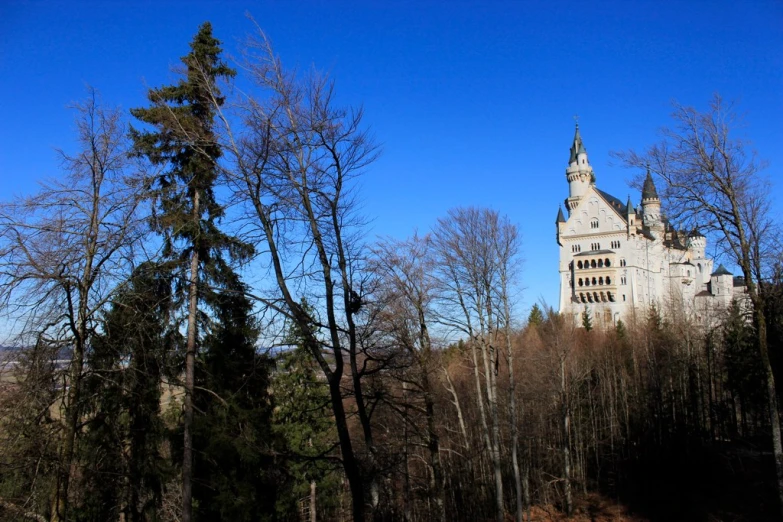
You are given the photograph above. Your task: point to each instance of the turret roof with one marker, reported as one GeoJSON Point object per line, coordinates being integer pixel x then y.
{"type": "Point", "coordinates": [721, 271]}
{"type": "Point", "coordinates": [578, 147]}
{"type": "Point", "coordinates": [560, 216]}
{"type": "Point", "coordinates": [648, 189]}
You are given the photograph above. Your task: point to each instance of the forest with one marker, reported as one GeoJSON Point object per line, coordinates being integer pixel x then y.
{"type": "Point", "coordinates": [204, 331]}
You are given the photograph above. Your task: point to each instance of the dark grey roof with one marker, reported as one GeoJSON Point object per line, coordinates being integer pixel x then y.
{"type": "Point", "coordinates": [560, 216]}
{"type": "Point", "coordinates": [695, 233]}
{"type": "Point", "coordinates": [577, 147]}
{"type": "Point", "coordinates": [594, 252]}
{"type": "Point", "coordinates": [629, 205]}
{"type": "Point", "coordinates": [721, 271]}
{"type": "Point", "coordinates": [646, 233]}
{"type": "Point", "coordinates": [648, 189]}
{"type": "Point", "coordinates": [613, 202]}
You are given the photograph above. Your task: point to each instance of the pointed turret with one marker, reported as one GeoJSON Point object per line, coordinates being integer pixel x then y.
{"type": "Point", "coordinates": [651, 204]}
{"type": "Point", "coordinates": [578, 146]}
{"type": "Point", "coordinates": [560, 216]}
{"type": "Point", "coordinates": [648, 189]}
{"type": "Point", "coordinates": [579, 172]}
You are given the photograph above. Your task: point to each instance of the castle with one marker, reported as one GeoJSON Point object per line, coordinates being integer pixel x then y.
{"type": "Point", "coordinates": [617, 259]}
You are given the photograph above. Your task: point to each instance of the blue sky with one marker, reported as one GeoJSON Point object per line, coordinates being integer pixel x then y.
{"type": "Point", "coordinates": [473, 102]}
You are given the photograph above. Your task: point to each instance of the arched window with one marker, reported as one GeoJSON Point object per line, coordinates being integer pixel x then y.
{"type": "Point", "coordinates": [608, 280]}
{"type": "Point", "coordinates": [579, 265]}
{"type": "Point", "coordinates": [595, 296]}
{"type": "Point", "coordinates": [607, 263]}
{"type": "Point", "coordinates": [600, 280]}
{"type": "Point", "coordinates": [587, 282]}
{"type": "Point", "coordinates": [592, 263]}
{"type": "Point", "coordinates": [580, 281]}
{"type": "Point", "coordinates": [603, 297]}
{"type": "Point", "coordinates": [611, 297]}
{"type": "Point", "coordinates": [594, 223]}
{"type": "Point", "coordinates": [594, 282]}
{"type": "Point", "coordinates": [600, 263]}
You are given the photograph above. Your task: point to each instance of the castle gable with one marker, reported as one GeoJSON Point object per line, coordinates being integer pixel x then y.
{"type": "Point", "coordinates": [596, 213]}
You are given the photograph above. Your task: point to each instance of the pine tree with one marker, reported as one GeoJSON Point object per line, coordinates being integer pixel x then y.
{"type": "Point", "coordinates": [587, 319]}
{"type": "Point", "coordinates": [125, 470]}
{"type": "Point", "coordinates": [232, 439]}
{"type": "Point", "coordinates": [304, 424]}
{"type": "Point", "coordinates": [536, 316]}
{"type": "Point", "coordinates": [185, 143]}
{"type": "Point", "coordinates": [620, 330]}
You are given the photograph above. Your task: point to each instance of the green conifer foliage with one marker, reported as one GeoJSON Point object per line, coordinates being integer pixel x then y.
{"type": "Point", "coordinates": [536, 316]}
{"type": "Point", "coordinates": [124, 466]}
{"type": "Point", "coordinates": [232, 439]}
{"type": "Point", "coordinates": [304, 424]}
{"type": "Point", "coordinates": [587, 320]}
{"type": "Point", "coordinates": [184, 144]}
{"type": "Point", "coordinates": [744, 371]}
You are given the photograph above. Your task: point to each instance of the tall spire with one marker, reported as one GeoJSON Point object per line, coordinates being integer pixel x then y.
{"type": "Point", "coordinates": [579, 173]}
{"type": "Point", "coordinates": [648, 189]}
{"type": "Point", "coordinates": [578, 147]}
{"type": "Point", "coordinates": [560, 216]}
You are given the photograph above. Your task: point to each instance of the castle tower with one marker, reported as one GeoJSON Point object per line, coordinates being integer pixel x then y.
{"type": "Point", "coordinates": [697, 244]}
{"type": "Point", "coordinates": [651, 204]}
{"type": "Point", "coordinates": [579, 172]}
{"type": "Point", "coordinates": [722, 283]}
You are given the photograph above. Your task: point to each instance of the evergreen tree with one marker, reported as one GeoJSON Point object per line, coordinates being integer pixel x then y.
{"type": "Point", "coordinates": [232, 439]}
{"type": "Point", "coordinates": [587, 319]}
{"type": "Point", "coordinates": [304, 424]}
{"type": "Point", "coordinates": [744, 370]}
{"type": "Point", "coordinates": [536, 316]}
{"type": "Point", "coordinates": [620, 330]}
{"type": "Point", "coordinates": [184, 142]}
{"type": "Point", "coordinates": [125, 470]}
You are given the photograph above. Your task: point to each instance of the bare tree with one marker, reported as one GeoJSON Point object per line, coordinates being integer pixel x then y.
{"type": "Point", "coordinates": [64, 251]}
{"type": "Point", "coordinates": [293, 157]}
{"type": "Point", "coordinates": [407, 298]}
{"type": "Point", "coordinates": [712, 178]}
{"type": "Point", "coordinates": [476, 253]}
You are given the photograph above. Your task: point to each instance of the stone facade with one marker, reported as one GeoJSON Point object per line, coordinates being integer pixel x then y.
{"type": "Point", "coordinates": [616, 259]}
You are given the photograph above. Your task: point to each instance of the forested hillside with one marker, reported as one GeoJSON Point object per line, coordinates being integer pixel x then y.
{"type": "Point", "coordinates": [205, 330]}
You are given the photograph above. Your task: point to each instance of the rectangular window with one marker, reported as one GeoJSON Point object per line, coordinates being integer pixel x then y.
{"type": "Point", "coordinates": [623, 297]}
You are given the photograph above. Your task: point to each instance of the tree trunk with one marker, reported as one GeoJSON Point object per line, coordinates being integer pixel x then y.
{"type": "Point", "coordinates": [60, 504]}
{"type": "Point", "coordinates": [313, 516]}
{"type": "Point", "coordinates": [566, 439]}
{"type": "Point", "coordinates": [190, 368]}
